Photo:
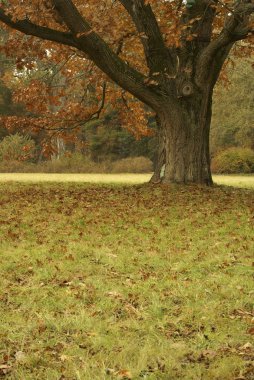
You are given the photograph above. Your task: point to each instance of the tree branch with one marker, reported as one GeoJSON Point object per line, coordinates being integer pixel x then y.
{"type": "Point", "coordinates": [199, 19]}
{"type": "Point", "coordinates": [103, 56]}
{"type": "Point", "coordinates": [27, 27]}
{"type": "Point", "coordinates": [236, 28]}
{"type": "Point", "coordinates": [157, 55]}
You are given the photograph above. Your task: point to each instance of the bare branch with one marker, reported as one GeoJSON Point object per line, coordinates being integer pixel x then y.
{"type": "Point", "coordinates": [98, 112]}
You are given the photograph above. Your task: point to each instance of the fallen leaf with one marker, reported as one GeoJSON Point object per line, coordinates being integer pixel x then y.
{"type": "Point", "coordinates": [64, 358]}
{"type": "Point", "coordinates": [110, 371]}
{"type": "Point", "coordinates": [251, 331]}
{"type": "Point", "coordinates": [209, 353]}
{"type": "Point", "coordinates": [4, 369]}
{"type": "Point", "coordinates": [246, 346]}
{"type": "Point", "coordinates": [124, 374]}
{"type": "Point", "coordinates": [20, 357]}
{"type": "Point", "coordinates": [114, 295]}
{"type": "Point", "coordinates": [4, 366]}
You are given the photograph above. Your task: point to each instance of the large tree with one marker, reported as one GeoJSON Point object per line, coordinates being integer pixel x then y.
{"type": "Point", "coordinates": [167, 54]}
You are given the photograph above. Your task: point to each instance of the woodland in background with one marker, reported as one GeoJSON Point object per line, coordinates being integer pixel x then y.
{"type": "Point", "coordinates": [103, 145]}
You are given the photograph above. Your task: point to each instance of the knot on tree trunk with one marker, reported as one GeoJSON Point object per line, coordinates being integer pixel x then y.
{"type": "Point", "coordinates": [185, 88]}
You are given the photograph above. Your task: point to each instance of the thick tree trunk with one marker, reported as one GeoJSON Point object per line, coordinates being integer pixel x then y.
{"type": "Point", "coordinates": [183, 151]}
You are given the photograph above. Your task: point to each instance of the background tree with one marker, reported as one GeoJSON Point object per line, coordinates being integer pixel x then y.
{"type": "Point", "coordinates": [168, 55]}
{"type": "Point", "coordinates": [7, 106]}
{"type": "Point", "coordinates": [233, 119]}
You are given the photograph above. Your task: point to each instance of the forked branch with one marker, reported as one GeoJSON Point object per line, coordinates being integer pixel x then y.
{"type": "Point", "coordinates": [237, 27]}
{"type": "Point", "coordinates": [103, 56]}
{"type": "Point", "coordinates": [156, 53]}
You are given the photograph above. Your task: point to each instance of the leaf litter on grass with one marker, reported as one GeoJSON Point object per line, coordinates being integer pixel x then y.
{"type": "Point", "coordinates": [151, 282]}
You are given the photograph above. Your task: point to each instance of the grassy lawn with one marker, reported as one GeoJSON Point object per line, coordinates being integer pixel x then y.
{"type": "Point", "coordinates": [70, 177]}
{"type": "Point", "coordinates": [244, 181]}
{"type": "Point", "coordinates": [107, 282]}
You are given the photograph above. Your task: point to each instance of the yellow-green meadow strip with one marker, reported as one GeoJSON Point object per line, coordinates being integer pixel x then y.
{"type": "Point", "coordinates": [125, 178]}
{"type": "Point", "coordinates": [243, 181]}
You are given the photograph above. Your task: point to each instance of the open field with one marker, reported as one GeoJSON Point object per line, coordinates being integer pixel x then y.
{"type": "Point", "coordinates": [244, 181]}
{"type": "Point", "coordinates": [107, 282]}
{"type": "Point", "coordinates": [77, 177]}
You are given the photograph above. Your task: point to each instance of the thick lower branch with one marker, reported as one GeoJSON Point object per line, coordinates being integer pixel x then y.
{"type": "Point", "coordinates": [103, 56]}
{"type": "Point", "coordinates": [27, 27]}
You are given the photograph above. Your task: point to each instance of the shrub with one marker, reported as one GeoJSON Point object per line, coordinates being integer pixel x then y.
{"type": "Point", "coordinates": [17, 148]}
{"type": "Point", "coordinates": [133, 165]}
{"type": "Point", "coordinates": [11, 166]}
{"type": "Point", "coordinates": [75, 163]}
{"type": "Point", "coordinates": [234, 160]}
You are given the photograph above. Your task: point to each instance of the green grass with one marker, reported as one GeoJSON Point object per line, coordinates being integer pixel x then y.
{"type": "Point", "coordinates": [104, 282]}
{"type": "Point", "coordinates": [244, 181]}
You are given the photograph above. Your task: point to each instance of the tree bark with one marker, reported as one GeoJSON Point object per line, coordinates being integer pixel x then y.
{"type": "Point", "coordinates": [183, 151]}
{"type": "Point", "coordinates": [159, 164]}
